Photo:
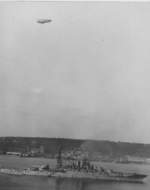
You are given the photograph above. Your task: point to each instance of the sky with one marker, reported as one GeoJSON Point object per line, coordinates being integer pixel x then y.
{"type": "Point", "coordinates": [84, 75]}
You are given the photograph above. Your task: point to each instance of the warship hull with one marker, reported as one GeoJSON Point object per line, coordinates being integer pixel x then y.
{"type": "Point", "coordinates": [134, 178]}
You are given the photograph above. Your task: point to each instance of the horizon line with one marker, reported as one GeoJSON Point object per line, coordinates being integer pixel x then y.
{"type": "Point", "coordinates": [71, 138]}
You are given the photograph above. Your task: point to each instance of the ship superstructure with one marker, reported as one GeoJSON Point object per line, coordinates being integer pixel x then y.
{"type": "Point", "coordinates": [77, 169]}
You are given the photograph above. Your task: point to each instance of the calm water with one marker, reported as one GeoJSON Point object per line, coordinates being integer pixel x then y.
{"type": "Point", "coordinates": [44, 183]}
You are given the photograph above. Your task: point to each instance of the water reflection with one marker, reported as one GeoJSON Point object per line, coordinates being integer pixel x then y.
{"type": "Point", "coordinates": [42, 183]}
{"type": "Point", "coordinates": [67, 184]}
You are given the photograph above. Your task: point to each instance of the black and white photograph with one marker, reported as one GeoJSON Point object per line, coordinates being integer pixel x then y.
{"type": "Point", "coordinates": [74, 95]}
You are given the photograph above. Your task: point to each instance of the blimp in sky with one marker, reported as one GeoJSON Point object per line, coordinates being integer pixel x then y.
{"type": "Point", "coordinates": [43, 21]}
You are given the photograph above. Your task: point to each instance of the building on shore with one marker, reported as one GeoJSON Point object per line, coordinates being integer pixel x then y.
{"type": "Point", "coordinates": [13, 153]}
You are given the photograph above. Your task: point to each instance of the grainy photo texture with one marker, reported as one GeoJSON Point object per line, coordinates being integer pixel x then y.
{"type": "Point", "coordinates": [74, 95]}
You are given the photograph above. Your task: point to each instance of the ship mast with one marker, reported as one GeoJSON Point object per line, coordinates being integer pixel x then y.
{"type": "Point", "coordinates": [59, 158]}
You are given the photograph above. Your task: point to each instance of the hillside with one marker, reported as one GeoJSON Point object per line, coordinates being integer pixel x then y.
{"type": "Point", "coordinates": [51, 146]}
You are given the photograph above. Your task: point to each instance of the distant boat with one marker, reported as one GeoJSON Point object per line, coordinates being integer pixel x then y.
{"type": "Point", "coordinates": [43, 21]}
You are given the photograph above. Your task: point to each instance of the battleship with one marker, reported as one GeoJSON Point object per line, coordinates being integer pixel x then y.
{"type": "Point", "coordinates": [77, 169]}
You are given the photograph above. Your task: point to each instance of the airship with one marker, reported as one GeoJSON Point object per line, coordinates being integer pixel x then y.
{"type": "Point", "coordinates": [43, 21]}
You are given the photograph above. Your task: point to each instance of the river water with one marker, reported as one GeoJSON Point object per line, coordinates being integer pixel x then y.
{"type": "Point", "coordinates": [44, 183]}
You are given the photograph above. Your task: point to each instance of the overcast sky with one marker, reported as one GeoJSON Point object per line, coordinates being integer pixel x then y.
{"type": "Point", "coordinates": [84, 75]}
